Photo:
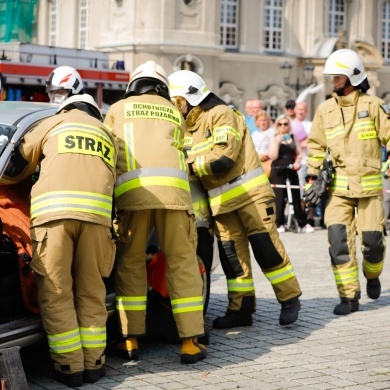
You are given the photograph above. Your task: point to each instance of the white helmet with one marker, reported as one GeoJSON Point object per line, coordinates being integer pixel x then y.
{"type": "Point", "coordinates": [188, 85]}
{"type": "Point", "coordinates": [348, 63]}
{"type": "Point", "coordinates": [64, 78]}
{"type": "Point", "coordinates": [73, 102]}
{"type": "Point", "coordinates": [149, 76]}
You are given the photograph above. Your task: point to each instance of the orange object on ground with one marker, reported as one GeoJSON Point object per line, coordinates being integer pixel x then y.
{"type": "Point", "coordinates": [15, 216]}
{"type": "Point", "coordinates": [156, 269]}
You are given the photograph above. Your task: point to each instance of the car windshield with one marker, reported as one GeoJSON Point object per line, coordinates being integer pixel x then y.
{"type": "Point", "coordinates": [11, 112]}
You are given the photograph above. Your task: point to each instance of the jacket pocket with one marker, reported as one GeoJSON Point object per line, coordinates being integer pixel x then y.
{"type": "Point", "coordinates": [372, 163]}
{"type": "Point", "coordinates": [109, 256]}
{"type": "Point", "coordinates": [39, 244]}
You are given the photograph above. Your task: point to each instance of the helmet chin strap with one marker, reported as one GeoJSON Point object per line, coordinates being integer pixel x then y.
{"type": "Point", "coordinates": [340, 91]}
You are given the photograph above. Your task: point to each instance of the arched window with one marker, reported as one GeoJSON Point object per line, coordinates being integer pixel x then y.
{"type": "Point", "coordinates": [385, 36]}
{"type": "Point", "coordinates": [229, 23]}
{"type": "Point", "coordinates": [337, 17]}
{"type": "Point", "coordinates": [273, 25]}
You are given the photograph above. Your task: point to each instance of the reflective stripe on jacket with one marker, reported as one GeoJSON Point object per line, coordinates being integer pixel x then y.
{"type": "Point", "coordinates": [352, 128]}
{"type": "Point", "coordinates": [151, 168]}
{"type": "Point", "coordinates": [77, 157]}
{"type": "Point", "coordinates": [221, 132]}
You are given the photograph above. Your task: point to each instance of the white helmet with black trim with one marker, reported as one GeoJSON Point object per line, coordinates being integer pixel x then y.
{"type": "Point", "coordinates": [346, 62]}
{"type": "Point", "coordinates": [79, 102]}
{"type": "Point", "coordinates": [63, 82]}
{"type": "Point", "coordinates": [146, 77]}
{"type": "Point", "coordinates": [188, 85]}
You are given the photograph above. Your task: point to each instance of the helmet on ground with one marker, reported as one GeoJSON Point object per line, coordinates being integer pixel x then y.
{"type": "Point", "coordinates": [146, 77]}
{"type": "Point", "coordinates": [65, 80]}
{"type": "Point", "coordinates": [346, 62]}
{"type": "Point", "coordinates": [80, 102]}
{"type": "Point", "coordinates": [188, 85]}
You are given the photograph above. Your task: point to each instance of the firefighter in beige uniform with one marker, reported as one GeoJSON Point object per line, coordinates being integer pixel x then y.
{"type": "Point", "coordinates": [348, 129]}
{"type": "Point", "coordinates": [221, 154]}
{"type": "Point", "coordinates": [71, 209]}
{"type": "Point", "coordinates": [152, 190]}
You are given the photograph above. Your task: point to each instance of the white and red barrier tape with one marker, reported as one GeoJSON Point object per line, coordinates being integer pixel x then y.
{"type": "Point", "coordinates": [300, 187]}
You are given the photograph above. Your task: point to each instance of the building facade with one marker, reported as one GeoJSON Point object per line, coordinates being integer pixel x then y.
{"type": "Point", "coordinates": [267, 49]}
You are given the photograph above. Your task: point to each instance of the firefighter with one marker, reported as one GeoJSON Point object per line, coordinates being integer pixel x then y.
{"type": "Point", "coordinates": [63, 82]}
{"type": "Point", "coordinates": [348, 130]}
{"type": "Point", "coordinates": [152, 190]}
{"type": "Point", "coordinates": [220, 153]}
{"type": "Point", "coordinates": [71, 218]}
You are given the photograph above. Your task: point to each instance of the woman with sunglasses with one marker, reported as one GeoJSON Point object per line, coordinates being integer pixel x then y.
{"type": "Point", "coordinates": [285, 151]}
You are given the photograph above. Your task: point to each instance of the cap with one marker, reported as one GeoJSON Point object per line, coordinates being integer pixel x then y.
{"type": "Point", "coordinates": [290, 104]}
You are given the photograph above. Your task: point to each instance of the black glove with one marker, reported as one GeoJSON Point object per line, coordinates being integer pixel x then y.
{"type": "Point", "coordinates": [315, 191]}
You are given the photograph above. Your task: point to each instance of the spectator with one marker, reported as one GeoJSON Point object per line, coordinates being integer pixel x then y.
{"type": "Point", "coordinates": [252, 106]}
{"type": "Point", "coordinates": [285, 150]}
{"type": "Point", "coordinates": [261, 138]}
{"type": "Point", "coordinates": [289, 109]}
{"type": "Point", "coordinates": [301, 111]}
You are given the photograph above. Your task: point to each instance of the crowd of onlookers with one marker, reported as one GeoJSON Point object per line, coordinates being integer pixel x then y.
{"type": "Point", "coordinates": [281, 143]}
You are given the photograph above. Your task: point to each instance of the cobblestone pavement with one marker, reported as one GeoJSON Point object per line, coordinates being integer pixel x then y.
{"type": "Point", "coordinates": [320, 351]}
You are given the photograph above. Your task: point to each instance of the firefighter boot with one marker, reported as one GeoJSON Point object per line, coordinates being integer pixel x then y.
{"type": "Point", "coordinates": [347, 306]}
{"type": "Point", "coordinates": [71, 380]}
{"type": "Point", "coordinates": [192, 351]}
{"type": "Point", "coordinates": [233, 318]}
{"type": "Point", "coordinates": [93, 375]}
{"type": "Point", "coordinates": [128, 349]}
{"type": "Point", "coordinates": [373, 288]}
{"type": "Point", "coordinates": [289, 311]}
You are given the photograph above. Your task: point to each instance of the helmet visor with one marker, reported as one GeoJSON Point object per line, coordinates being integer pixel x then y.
{"type": "Point", "coordinates": [337, 78]}
{"type": "Point", "coordinates": [58, 96]}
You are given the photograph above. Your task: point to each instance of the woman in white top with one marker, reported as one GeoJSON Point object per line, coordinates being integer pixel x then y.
{"type": "Point", "coordinates": [261, 138]}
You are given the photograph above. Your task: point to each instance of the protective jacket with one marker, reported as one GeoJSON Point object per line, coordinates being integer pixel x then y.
{"type": "Point", "coordinates": [221, 153]}
{"type": "Point", "coordinates": [151, 171]}
{"type": "Point", "coordinates": [71, 212]}
{"type": "Point", "coordinates": [351, 128]}
{"type": "Point", "coordinates": [152, 191]}
{"type": "Point", "coordinates": [68, 143]}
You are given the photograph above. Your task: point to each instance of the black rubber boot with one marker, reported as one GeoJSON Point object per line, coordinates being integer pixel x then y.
{"type": "Point", "coordinates": [233, 319]}
{"type": "Point", "coordinates": [289, 311]}
{"type": "Point", "coordinates": [373, 288]}
{"type": "Point", "coordinates": [70, 380]}
{"type": "Point", "coordinates": [93, 375]}
{"type": "Point", "coordinates": [346, 306]}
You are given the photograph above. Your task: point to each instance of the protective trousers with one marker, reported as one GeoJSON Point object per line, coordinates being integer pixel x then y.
{"type": "Point", "coordinates": [70, 258]}
{"type": "Point", "coordinates": [254, 224]}
{"type": "Point", "coordinates": [344, 217]}
{"type": "Point", "coordinates": [176, 233]}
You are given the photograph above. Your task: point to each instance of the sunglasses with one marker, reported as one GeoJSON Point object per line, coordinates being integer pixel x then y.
{"type": "Point", "coordinates": [283, 124]}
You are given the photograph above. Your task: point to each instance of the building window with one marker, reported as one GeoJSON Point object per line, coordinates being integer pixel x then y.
{"type": "Point", "coordinates": [83, 24]}
{"type": "Point", "coordinates": [385, 40]}
{"type": "Point", "coordinates": [229, 24]}
{"type": "Point", "coordinates": [337, 17]}
{"type": "Point", "coordinates": [53, 22]}
{"type": "Point", "coordinates": [273, 25]}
